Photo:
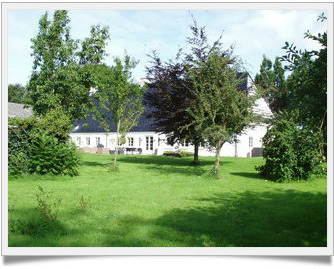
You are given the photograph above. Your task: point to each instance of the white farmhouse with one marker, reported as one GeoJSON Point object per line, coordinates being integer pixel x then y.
{"type": "Point", "coordinates": [89, 136]}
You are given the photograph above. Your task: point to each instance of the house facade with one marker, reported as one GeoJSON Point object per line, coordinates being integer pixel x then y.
{"type": "Point", "coordinates": [90, 137]}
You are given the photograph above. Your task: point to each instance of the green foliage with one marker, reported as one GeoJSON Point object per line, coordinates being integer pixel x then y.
{"type": "Point", "coordinates": [221, 110]}
{"type": "Point", "coordinates": [50, 156]}
{"type": "Point", "coordinates": [271, 81]}
{"type": "Point", "coordinates": [58, 78]}
{"type": "Point", "coordinates": [93, 48]}
{"type": "Point", "coordinates": [178, 153]}
{"type": "Point", "coordinates": [56, 123]}
{"type": "Point", "coordinates": [307, 83]}
{"type": "Point", "coordinates": [47, 205]}
{"type": "Point", "coordinates": [296, 143]}
{"type": "Point", "coordinates": [119, 100]}
{"type": "Point", "coordinates": [18, 94]}
{"type": "Point", "coordinates": [19, 141]}
{"type": "Point", "coordinates": [33, 146]}
{"type": "Point", "coordinates": [291, 152]}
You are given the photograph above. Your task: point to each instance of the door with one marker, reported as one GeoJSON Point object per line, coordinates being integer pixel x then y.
{"type": "Point", "coordinates": [149, 144]}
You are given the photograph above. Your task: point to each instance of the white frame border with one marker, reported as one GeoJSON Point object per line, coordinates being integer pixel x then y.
{"type": "Point", "coordinates": [61, 251]}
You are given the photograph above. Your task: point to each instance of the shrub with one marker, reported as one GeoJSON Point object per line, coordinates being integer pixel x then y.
{"type": "Point", "coordinates": [50, 156]}
{"type": "Point", "coordinates": [291, 152]}
{"type": "Point", "coordinates": [19, 141]}
{"type": "Point", "coordinates": [41, 146]}
{"type": "Point", "coordinates": [185, 153]}
{"type": "Point", "coordinates": [178, 153]}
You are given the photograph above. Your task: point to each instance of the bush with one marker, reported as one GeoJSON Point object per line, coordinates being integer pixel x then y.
{"type": "Point", "coordinates": [49, 156]}
{"type": "Point", "coordinates": [19, 141]}
{"type": "Point", "coordinates": [179, 153]}
{"type": "Point", "coordinates": [291, 152]}
{"type": "Point", "coordinates": [36, 148]}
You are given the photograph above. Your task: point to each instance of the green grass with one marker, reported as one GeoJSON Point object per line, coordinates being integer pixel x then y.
{"type": "Point", "coordinates": [157, 201]}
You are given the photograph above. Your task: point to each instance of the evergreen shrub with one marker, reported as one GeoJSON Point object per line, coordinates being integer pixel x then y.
{"type": "Point", "coordinates": [33, 149]}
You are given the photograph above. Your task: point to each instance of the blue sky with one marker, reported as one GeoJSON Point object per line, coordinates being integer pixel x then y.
{"type": "Point", "coordinates": [253, 32]}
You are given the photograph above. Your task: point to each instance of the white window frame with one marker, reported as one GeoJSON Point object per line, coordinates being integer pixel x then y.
{"type": "Point", "coordinates": [98, 140]}
{"type": "Point", "coordinates": [250, 141]}
{"type": "Point", "coordinates": [88, 141]}
{"type": "Point", "coordinates": [149, 142]}
{"type": "Point", "coordinates": [130, 141]}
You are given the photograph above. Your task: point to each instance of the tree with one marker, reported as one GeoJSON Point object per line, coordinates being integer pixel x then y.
{"type": "Point", "coordinates": [221, 110]}
{"type": "Point", "coordinates": [307, 83]}
{"type": "Point", "coordinates": [93, 49]}
{"type": "Point", "coordinates": [119, 100]}
{"type": "Point", "coordinates": [171, 90]}
{"type": "Point", "coordinates": [18, 94]}
{"type": "Point", "coordinates": [57, 79]}
{"type": "Point", "coordinates": [169, 95]}
{"type": "Point", "coordinates": [296, 141]}
{"type": "Point", "coordinates": [271, 81]}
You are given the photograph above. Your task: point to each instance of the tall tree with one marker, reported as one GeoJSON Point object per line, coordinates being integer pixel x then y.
{"type": "Point", "coordinates": [271, 81]}
{"type": "Point", "coordinates": [93, 49]}
{"type": "Point", "coordinates": [302, 124]}
{"type": "Point", "coordinates": [169, 95]}
{"type": "Point", "coordinates": [171, 90]}
{"type": "Point", "coordinates": [221, 110]}
{"type": "Point", "coordinates": [307, 84]}
{"type": "Point", "coordinates": [57, 79]}
{"type": "Point", "coordinates": [119, 100]}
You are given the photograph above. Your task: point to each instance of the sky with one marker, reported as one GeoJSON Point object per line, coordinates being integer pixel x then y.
{"type": "Point", "coordinates": [253, 33]}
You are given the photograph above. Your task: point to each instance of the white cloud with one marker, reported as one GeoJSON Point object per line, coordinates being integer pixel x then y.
{"type": "Point", "coordinates": [254, 33]}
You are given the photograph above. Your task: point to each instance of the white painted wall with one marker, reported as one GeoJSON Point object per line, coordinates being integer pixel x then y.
{"type": "Point", "coordinates": [242, 149]}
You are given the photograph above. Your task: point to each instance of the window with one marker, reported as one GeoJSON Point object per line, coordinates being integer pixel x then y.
{"type": "Point", "coordinates": [88, 141]}
{"type": "Point", "coordinates": [78, 141]}
{"type": "Point", "coordinates": [98, 140]}
{"type": "Point", "coordinates": [149, 142]}
{"type": "Point", "coordinates": [250, 142]}
{"type": "Point", "coordinates": [130, 141]}
{"type": "Point", "coordinates": [170, 141]}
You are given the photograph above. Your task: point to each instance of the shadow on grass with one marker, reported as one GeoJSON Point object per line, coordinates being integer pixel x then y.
{"type": "Point", "coordinates": [171, 165]}
{"type": "Point", "coordinates": [249, 175]}
{"type": "Point", "coordinates": [94, 164]}
{"type": "Point", "coordinates": [282, 219]}
{"type": "Point", "coordinates": [163, 160]}
{"type": "Point", "coordinates": [32, 228]}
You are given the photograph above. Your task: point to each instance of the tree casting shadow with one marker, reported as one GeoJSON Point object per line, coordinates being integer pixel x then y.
{"type": "Point", "coordinates": [282, 219]}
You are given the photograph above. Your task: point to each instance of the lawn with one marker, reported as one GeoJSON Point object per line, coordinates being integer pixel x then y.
{"type": "Point", "coordinates": [157, 201]}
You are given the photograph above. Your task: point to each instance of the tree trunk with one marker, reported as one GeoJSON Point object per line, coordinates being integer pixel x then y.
{"type": "Point", "coordinates": [196, 161]}
{"type": "Point", "coordinates": [216, 168]}
{"type": "Point", "coordinates": [116, 147]}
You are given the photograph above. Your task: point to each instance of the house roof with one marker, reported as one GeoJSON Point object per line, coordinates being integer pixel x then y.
{"type": "Point", "coordinates": [90, 125]}
{"type": "Point", "coordinates": [19, 110]}
{"type": "Point", "coordinates": [145, 124]}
